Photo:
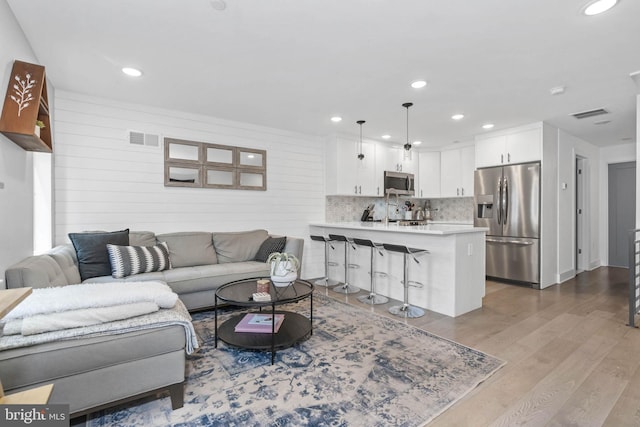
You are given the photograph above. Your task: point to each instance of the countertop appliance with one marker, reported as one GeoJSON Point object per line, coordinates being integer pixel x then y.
{"type": "Point", "coordinates": [507, 201]}
{"type": "Point", "coordinates": [400, 183]}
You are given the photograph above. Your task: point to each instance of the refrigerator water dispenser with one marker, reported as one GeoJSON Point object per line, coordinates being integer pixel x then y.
{"type": "Point", "coordinates": [485, 206]}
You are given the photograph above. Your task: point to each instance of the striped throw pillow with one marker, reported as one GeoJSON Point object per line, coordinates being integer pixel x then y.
{"type": "Point", "coordinates": [128, 260]}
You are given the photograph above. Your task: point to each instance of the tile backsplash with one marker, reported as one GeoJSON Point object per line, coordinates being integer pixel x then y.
{"type": "Point", "coordinates": [350, 208]}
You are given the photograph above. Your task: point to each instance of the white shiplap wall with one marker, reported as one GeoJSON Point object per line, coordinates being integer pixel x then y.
{"type": "Point", "coordinates": [102, 182]}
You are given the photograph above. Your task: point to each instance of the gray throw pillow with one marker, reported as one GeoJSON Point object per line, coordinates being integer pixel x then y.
{"type": "Point", "coordinates": [91, 250]}
{"type": "Point", "coordinates": [269, 246]}
{"type": "Point", "coordinates": [129, 260]}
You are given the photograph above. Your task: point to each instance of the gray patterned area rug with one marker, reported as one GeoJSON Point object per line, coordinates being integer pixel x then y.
{"type": "Point", "coordinates": [357, 369]}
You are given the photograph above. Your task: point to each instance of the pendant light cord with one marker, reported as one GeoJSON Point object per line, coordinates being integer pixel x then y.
{"type": "Point", "coordinates": [360, 154]}
{"type": "Point", "coordinates": [406, 105]}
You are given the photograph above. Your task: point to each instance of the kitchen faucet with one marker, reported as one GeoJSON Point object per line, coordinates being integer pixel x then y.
{"type": "Point", "coordinates": [397, 204]}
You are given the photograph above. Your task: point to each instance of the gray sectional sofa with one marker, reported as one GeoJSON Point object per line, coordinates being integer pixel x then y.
{"type": "Point", "coordinates": [201, 261]}
{"type": "Point", "coordinates": [89, 373]}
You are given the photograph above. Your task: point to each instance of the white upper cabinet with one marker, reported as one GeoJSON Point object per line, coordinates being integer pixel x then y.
{"type": "Point", "coordinates": [346, 174]}
{"type": "Point", "coordinates": [457, 167]}
{"type": "Point", "coordinates": [429, 175]}
{"type": "Point", "coordinates": [517, 146]}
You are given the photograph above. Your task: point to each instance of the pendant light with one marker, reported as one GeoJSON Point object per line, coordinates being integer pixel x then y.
{"type": "Point", "coordinates": [360, 153]}
{"type": "Point", "coordinates": [407, 145]}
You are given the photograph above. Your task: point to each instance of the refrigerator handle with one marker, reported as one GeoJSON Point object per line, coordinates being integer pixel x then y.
{"type": "Point", "coordinates": [499, 207]}
{"type": "Point", "coordinates": [505, 202]}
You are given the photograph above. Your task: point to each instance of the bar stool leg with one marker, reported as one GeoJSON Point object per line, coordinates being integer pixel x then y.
{"type": "Point", "coordinates": [406, 310]}
{"type": "Point", "coordinates": [346, 288]}
{"type": "Point", "coordinates": [325, 281]}
{"type": "Point", "coordinates": [373, 298]}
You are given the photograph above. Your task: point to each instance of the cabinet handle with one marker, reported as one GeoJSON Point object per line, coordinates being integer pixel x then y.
{"type": "Point", "coordinates": [501, 158]}
{"type": "Point", "coordinates": [509, 157]}
{"type": "Point", "coordinates": [355, 189]}
{"type": "Point", "coordinates": [457, 191]}
{"type": "Point", "coordinates": [360, 189]}
{"type": "Point", "coordinates": [420, 193]}
{"type": "Point", "coordinates": [400, 167]}
{"type": "Point", "coordinates": [462, 191]}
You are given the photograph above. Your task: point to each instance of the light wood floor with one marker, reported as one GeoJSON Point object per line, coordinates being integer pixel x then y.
{"type": "Point", "coordinates": [571, 359]}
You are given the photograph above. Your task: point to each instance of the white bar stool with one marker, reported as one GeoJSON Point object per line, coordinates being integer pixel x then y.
{"type": "Point", "coordinates": [325, 281]}
{"type": "Point", "coordinates": [407, 310]}
{"type": "Point", "coordinates": [345, 288]}
{"type": "Point", "coordinates": [372, 298]}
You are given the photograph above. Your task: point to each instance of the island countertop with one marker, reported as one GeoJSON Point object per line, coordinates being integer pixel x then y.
{"type": "Point", "coordinates": [431, 228]}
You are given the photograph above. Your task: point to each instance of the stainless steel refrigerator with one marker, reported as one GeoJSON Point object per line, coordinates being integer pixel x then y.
{"type": "Point", "coordinates": [507, 201]}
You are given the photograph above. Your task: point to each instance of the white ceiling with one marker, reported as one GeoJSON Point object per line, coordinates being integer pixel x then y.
{"type": "Point", "coordinates": [292, 64]}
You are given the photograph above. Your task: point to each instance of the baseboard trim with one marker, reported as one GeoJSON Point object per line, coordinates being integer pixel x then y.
{"type": "Point", "coordinates": [569, 274]}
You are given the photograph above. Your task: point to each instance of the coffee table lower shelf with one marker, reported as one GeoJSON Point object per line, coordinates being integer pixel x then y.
{"type": "Point", "coordinates": [294, 329]}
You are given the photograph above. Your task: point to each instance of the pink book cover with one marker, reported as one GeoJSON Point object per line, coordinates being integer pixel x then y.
{"type": "Point", "coordinates": [259, 323]}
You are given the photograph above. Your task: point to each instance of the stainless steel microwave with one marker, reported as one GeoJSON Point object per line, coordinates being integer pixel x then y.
{"type": "Point", "coordinates": [400, 183]}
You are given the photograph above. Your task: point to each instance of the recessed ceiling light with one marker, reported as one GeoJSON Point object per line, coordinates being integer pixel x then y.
{"type": "Point", "coordinates": [487, 126]}
{"type": "Point", "coordinates": [218, 4]}
{"type": "Point", "coordinates": [602, 122]}
{"type": "Point", "coordinates": [386, 136]}
{"type": "Point", "coordinates": [133, 72]}
{"type": "Point", "coordinates": [558, 90]}
{"type": "Point", "coordinates": [418, 84]}
{"type": "Point", "coordinates": [596, 7]}
{"type": "Point", "coordinates": [336, 119]}
{"type": "Point", "coordinates": [417, 142]}
{"type": "Point", "coordinates": [457, 116]}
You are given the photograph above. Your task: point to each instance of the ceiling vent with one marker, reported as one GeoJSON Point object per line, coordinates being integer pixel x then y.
{"type": "Point", "coordinates": [590, 113]}
{"type": "Point", "coordinates": [146, 139]}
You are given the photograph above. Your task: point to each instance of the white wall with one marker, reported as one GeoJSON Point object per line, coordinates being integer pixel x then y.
{"type": "Point", "coordinates": [103, 182]}
{"type": "Point", "coordinates": [549, 207]}
{"type": "Point", "coordinates": [570, 147]}
{"type": "Point", "coordinates": [608, 155]}
{"type": "Point", "coordinates": [16, 165]}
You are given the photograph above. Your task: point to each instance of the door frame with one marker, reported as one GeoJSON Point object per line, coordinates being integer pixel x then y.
{"type": "Point", "coordinates": [581, 215]}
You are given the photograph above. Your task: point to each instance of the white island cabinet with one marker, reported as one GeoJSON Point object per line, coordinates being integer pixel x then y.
{"type": "Point", "coordinates": [452, 274]}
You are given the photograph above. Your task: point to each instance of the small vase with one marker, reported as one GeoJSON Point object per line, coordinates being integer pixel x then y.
{"type": "Point", "coordinates": [36, 131]}
{"type": "Point", "coordinates": [282, 274]}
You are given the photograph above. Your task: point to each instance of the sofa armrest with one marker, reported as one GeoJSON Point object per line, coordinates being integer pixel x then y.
{"type": "Point", "coordinates": [295, 246]}
{"type": "Point", "coordinates": [38, 271]}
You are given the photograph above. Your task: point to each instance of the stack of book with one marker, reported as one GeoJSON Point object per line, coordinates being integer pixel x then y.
{"type": "Point", "coordinates": [259, 323]}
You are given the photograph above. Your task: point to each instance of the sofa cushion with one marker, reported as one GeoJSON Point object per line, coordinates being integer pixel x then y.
{"type": "Point", "coordinates": [238, 246]}
{"type": "Point", "coordinates": [189, 248]}
{"type": "Point", "coordinates": [269, 246]}
{"type": "Point", "coordinates": [209, 277]}
{"type": "Point", "coordinates": [128, 260]}
{"type": "Point", "coordinates": [91, 251]}
{"type": "Point", "coordinates": [142, 238]}
{"type": "Point", "coordinates": [65, 256]}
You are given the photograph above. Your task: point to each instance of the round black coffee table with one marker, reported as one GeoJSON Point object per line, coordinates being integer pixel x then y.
{"type": "Point", "coordinates": [295, 327]}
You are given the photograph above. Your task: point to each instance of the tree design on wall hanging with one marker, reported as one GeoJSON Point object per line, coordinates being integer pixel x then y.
{"type": "Point", "coordinates": [22, 91]}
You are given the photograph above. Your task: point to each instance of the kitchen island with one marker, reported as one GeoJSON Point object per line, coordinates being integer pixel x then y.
{"type": "Point", "coordinates": [452, 274]}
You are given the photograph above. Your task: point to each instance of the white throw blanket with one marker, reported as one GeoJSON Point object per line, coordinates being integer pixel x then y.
{"type": "Point", "coordinates": [177, 315]}
{"type": "Point", "coordinates": [41, 323]}
{"type": "Point", "coordinates": [90, 295]}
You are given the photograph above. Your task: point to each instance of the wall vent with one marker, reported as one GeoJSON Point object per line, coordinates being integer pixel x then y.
{"type": "Point", "coordinates": [141, 138]}
{"type": "Point", "coordinates": [590, 113]}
